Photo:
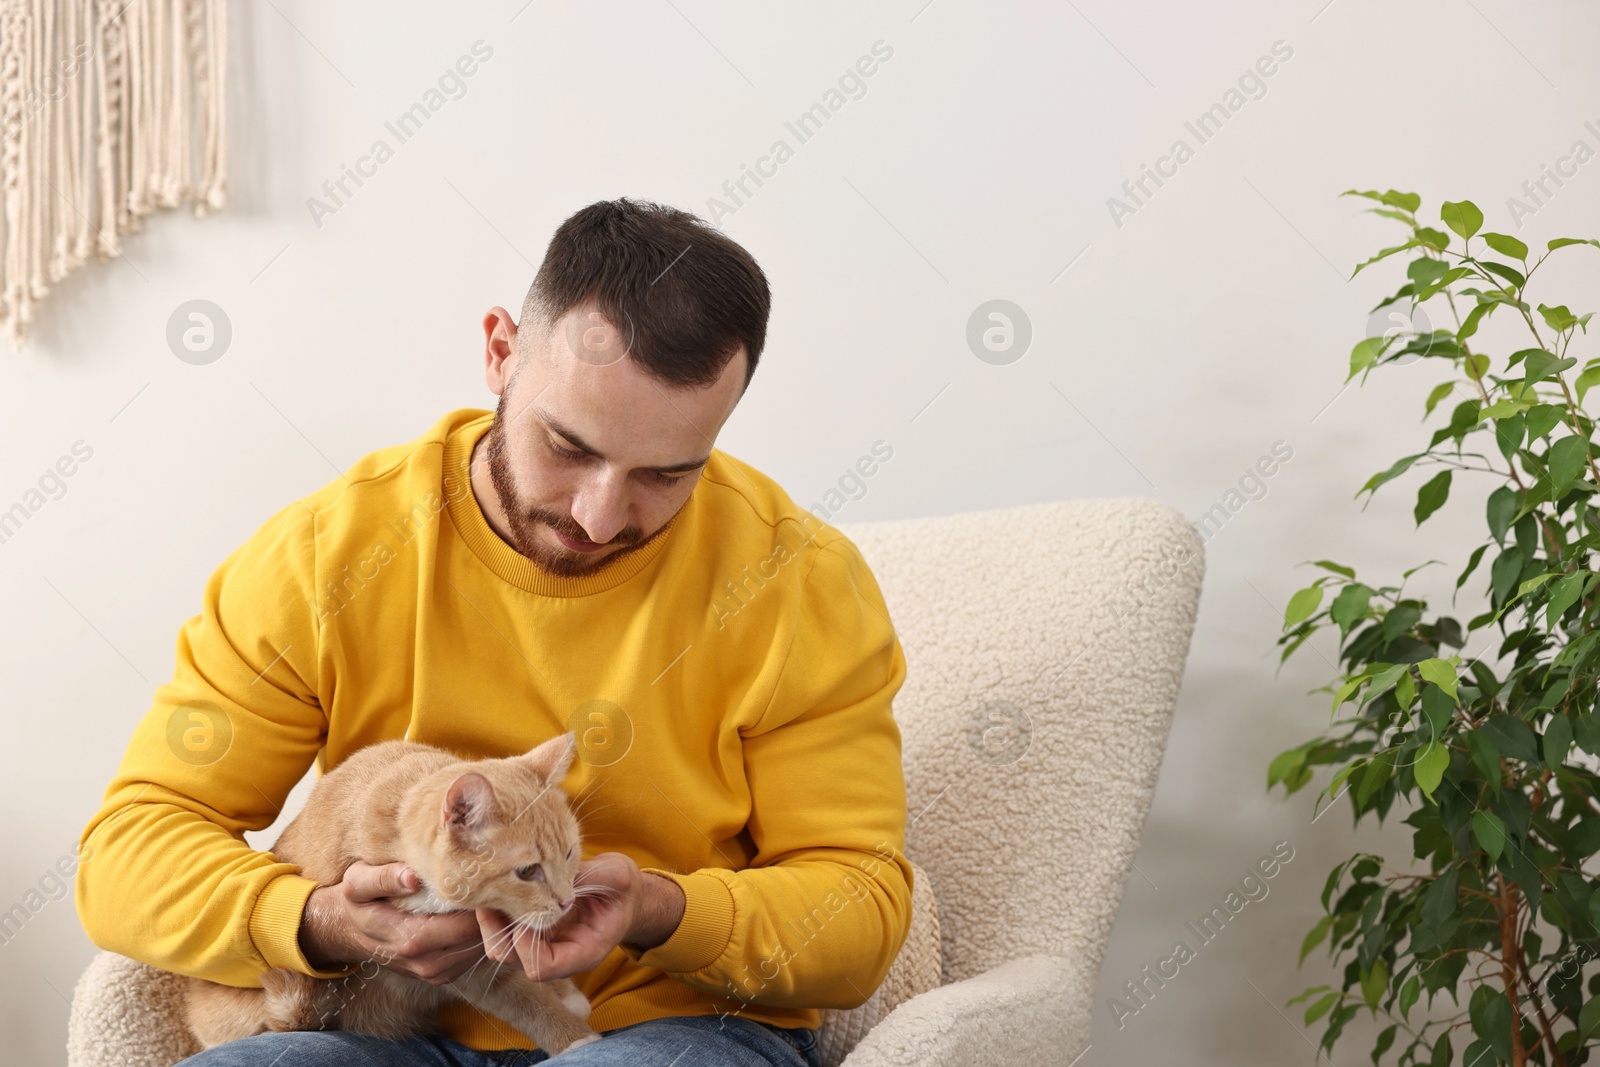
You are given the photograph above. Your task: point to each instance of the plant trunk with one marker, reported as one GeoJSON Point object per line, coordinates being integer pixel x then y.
{"type": "Point", "coordinates": [1510, 956]}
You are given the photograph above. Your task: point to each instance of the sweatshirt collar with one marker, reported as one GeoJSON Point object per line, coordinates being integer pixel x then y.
{"type": "Point", "coordinates": [505, 561]}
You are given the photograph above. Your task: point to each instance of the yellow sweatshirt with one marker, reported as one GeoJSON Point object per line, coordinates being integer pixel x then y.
{"type": "Point", "coordinates": [730, 687]}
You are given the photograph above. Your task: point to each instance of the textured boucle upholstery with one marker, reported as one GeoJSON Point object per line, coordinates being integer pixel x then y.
{"type": "Point", "coordinates": [917, 969]}
{"type": "Point", "coordinates": [129, 1014]}
{"type": "Point", "coordinates": [1045, 645]}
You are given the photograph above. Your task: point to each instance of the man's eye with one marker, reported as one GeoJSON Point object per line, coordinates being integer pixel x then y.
{"type": "Point", "coordinates": [658, 478]}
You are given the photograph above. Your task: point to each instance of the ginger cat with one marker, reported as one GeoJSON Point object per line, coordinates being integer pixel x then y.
{"type": "Point", "coordinates": [494, 833]}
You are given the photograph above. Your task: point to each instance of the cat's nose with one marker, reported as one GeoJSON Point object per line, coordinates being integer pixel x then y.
{"type": "Point", "coordinates": [565, 904]}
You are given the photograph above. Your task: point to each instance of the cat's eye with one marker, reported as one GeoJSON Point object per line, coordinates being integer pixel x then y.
{"type": "Point", "coordinates": [533, 872]}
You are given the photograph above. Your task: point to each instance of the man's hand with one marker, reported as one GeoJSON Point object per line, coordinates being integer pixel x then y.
{"type": "Point", "coordinates": [616, 903]}
{"type": "Point", "coordinates": [352, 921]}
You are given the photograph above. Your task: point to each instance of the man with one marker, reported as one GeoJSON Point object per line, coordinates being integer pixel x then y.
{"type": "Point", "coordinates": [587, 560]}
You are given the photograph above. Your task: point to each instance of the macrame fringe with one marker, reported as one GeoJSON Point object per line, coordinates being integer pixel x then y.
{"type": "Point", "coordinates": [109, 110]}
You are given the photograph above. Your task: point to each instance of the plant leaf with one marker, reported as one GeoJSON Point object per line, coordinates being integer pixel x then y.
{"type": "Point", "coordinates": [1502, 508]}
{"type": "Point", "coordinates": [1302, 604]}
{"type": "Point", "coordinates": [1485, 756]}
{"type": "Point", "coordinates": [1320, 1008]}
{"type": "Point", "coordinates": [1385, 254]}
{"type": "Point", "coordinates": [1385, 1040]}
{"type": "Point", "coordinates": [1470, 325]}
{"type": "Point", "coordinates": [1318, 933]}
{"type": "Point", "coordinates": [1439, 710]}
{"type": "Point", "coordinates": [1559, 318]}
{"type": "Point", "coordinates": [1509, 274]}
{"type": "Point", "coordinates": [1557, 740]}
{"type": "Point", "coordinates": [1405, 201]}
{"type": "Point", "coordinates": [1408, 996]}
{"type": "Point", "coordinates": [1463, 217]}
{"type": "Point", "coordinates": [1589, 1018]}
{"type": "Point", "coordinates": [1587, 381]}
{"type": "Point", "coordinates": [1512, 737]}
{"type": "Point", "coordinates": [1426, 270]}
{"type": "Point", "coordinates": [1399, 467]}
{"type": "Point", "coordinates": [1301, 998]}
{"type": "Point", "coordinates": [1541, 365]}
{"type": "Point", "coordinates": [1542, 418]}
{"type": "Point", "coordinates": [1365, 354]}
{"type": "Point", "coordinates": [1567, 459]}
{"type": "Point", "coordinates": [1437, 239]}
{"type": "Point", "coordinates": [1491, 1019]}
{"type": "Point", "coordinates": [1375, 983]}
{"type": "Point", "coordinates": [1285, 765]}
{"type": "Point", "coordinates": [1506, 245]}
{"type": "Point", "coordinates": [1563, 594]}
{"type": "Point", "coordinates": [1439, 899]}
{"type": "Point", "coordinates": [1347, 688]}
{"type": "Point", "coordinates": [1430, 768]}
{"type": "Point", "coordinates": [1350, 606]}
{"type": "Point", "coordinates": [1431, 497]}
{"type": "Point", "coordinates": [1490, 832]}
{"type": "Point", "coordinates": [1441, 672]}
{"type": "Point", "coordinates": [1508, 434]}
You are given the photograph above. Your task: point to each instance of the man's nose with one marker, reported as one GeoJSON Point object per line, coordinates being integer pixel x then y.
{"type": "Point", "coordinates": [601, 506]}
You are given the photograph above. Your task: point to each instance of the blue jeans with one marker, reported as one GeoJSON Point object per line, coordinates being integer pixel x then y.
{"type": "Point", "coordinates": [686, 1041]}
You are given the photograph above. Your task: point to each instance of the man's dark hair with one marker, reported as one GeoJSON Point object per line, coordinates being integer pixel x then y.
{"type": "Point", "coordinates": [683, 295]}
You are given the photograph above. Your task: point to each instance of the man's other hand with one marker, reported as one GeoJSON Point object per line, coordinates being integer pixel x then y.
{"type": "Point", "coordinates": [615, 903]}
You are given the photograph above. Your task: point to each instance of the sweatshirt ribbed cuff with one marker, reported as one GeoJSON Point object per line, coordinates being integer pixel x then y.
{"type": "Point", "coordinates": [275, 925]}
{"type": "Point", "coordinates": [704, 931]}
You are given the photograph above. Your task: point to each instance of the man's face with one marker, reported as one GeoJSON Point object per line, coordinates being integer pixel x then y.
{"type": "Point", "coordinates": [588, 457]}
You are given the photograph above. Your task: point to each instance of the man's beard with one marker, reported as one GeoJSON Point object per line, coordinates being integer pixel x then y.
{"type": "Point", "coordinates": [523, 521]}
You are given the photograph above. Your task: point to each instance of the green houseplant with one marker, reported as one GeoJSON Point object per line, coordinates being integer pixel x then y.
{"type": "Point", "coordinates": [1485, 732]}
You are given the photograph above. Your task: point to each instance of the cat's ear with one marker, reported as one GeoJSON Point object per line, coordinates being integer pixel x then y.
{"type": "Point", "coordinates": [553, 758]}
{"type": "Point", "coordinates": [468, 804]}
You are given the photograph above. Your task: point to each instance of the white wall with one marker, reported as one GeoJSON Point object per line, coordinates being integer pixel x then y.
{"type": "Point", "coordinates": [1209, 325]}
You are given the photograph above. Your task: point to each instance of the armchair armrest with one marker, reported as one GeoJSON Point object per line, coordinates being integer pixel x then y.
{"type": "Point", "coordinates": [1030, 1012]}
{"type": "Point", "coordinates": [127, 1014]}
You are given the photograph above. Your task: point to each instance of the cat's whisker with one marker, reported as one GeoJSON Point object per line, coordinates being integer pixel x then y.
{"type": "Point", "coordinates": [469, 971]}
{"type": "Point", "coordinates": [583, 814]}
{"type": "Point", "coordinates": [584, 798]}
{"type": "Point", "coordinates": [536, 925]}
{"type": "Point", "coordinates": [503, 938]}
{"type": "Point", "coordinates": [598, 893]}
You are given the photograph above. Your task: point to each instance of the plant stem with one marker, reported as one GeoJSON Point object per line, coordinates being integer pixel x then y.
{"type": "Point", "coordinates": [1510, 954]}
{"type": "Point", "coordinates": [1546, 1024]}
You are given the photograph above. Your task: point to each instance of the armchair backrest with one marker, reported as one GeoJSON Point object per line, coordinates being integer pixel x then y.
{"type": "Point", "coordinates": [1044, 646]}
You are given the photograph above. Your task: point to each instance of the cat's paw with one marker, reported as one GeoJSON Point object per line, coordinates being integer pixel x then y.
{"type": "Point", "coordinates": [577, 1004]}
{"type": "Point", "coordinates": [588, 1039]}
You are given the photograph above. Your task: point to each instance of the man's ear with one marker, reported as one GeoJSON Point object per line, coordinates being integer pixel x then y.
{"type": "Point", "coordinates": [499, 348]}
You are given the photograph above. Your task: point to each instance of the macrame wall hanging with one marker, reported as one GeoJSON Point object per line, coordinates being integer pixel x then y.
{"type": "Point", "coordinates": [109, 110]}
